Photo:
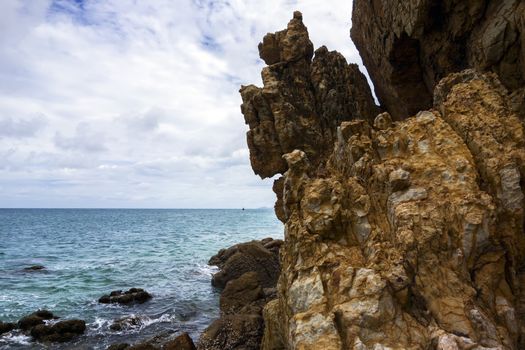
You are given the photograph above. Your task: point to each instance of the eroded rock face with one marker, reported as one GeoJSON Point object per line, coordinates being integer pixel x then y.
{"type": "Point", "coordinates": [408, 46]}
{"type": "Point", "coordinates": [412, 235]}
{"type": "Point", "coordinates": [302, 100]}
{"type": "Point", "coordinates": [402, 235]}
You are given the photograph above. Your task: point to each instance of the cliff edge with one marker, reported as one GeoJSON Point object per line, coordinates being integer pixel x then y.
{"type": "Point", "coordinates": [400, 233]}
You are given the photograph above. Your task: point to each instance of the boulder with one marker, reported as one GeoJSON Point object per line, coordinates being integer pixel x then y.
{"type": "Point", "coordinates": [62, 331]}
{"type": "Point", "coordinates": [34, 268]}
{"type": "Point", "coordinates": [36, 318]}
{"type": "Point", "coordinates": [119, 346]}
{"type": "Point", "coordinates": [134, 295]}
{"type": "Point", "coordinates": [243, 295]}
{"type": "Point", "coordinates": [245, 257]}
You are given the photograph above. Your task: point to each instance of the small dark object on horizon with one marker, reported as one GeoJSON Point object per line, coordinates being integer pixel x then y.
{"type": "Point", "coordinates": [35, 268]}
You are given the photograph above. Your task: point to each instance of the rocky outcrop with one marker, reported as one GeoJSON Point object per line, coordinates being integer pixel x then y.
{"type": "Point", "coordinates": [180, 342]}
{"type": "Point", "coordinates": [248, 274]}
{"type": "Point", "coordinates": [131, 296]}
{"type": "Point", "coordinates": [404, 234]}
{"type": "Point", "coordinates": [302, 100]}
{"type": "Point", "coordinates": [409, 46]}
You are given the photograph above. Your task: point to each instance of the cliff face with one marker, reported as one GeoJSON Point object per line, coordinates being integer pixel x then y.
{"type": "Point", "coordinates": [398, 235]}
{"type": "Point", "coordinates": [408, 46]}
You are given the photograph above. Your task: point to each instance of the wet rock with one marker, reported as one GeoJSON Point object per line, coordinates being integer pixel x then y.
{"type": "Point", "coordinates": [126, 323]}
{"type": "Point", "coordinates": [134, 295]}
{"type": "Point", "coordinates": [181, 342]}
{"type": "Point", "coordinates": [36, 318]}
{"type": "Point", "coordinates": [233, 332]}
{"type": "Point", "coordinates": [143, 346]}
{"type": "Point", "coordinates": [245, 257]}
{"type": "Point", "coordinates": [34, 268]}
{"type": "Point", "coordinates": [6, 327]}
{"type": "Point", "coordinates": [62, 331]}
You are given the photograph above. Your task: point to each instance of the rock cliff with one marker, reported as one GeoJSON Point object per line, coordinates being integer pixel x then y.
{"type": "Point", "coordinates": [399, 234]}
{"type": "Point", "coordinates": [408, 46]}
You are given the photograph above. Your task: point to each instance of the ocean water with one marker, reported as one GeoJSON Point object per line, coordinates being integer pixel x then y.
{"type": "Point", "coordinates": [90, 252]}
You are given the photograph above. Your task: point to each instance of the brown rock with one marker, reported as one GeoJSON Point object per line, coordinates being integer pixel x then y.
{"type": "Point", "coordinates": [242, 295]}
{"type": "Point", "coordinates": [181, 342]}
{"type": "Point", "coordinates": [302, 101]}
{"type": "Point", "coordinates": [409, 46]}
{"type": "Point", "coordinates": [406, 234]}
{"type": "Point", "coordinates": [246, 257]}
{"type": "Point", "coordinates": [233, 332]}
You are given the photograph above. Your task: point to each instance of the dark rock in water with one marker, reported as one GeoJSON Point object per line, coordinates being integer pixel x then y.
{"type": "Point", "coordinates": [120, 346]}
{"type": "Point", "coordinates": [62, 331]}
{"type": "Point", "coordinates": [34, 268]}
{"type": "Point", "coordinates": [36, 318]}
{"type": "Point", "coordinates": [6, 327]}
{"type": "Point", "coordinates": [126, 323]}
{"type": "Point", "coordinates": [245, 257]}
{"type": "Point", "coordinates": [134, 295]}
{"type": "Point", "coordinates": [143, 346]}
{"type": "Point", "coordinates": [181, 342]}
{"type": "Point", "coordinates": [233, 332]}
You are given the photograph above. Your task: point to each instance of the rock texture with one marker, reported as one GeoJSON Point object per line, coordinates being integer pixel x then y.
{"type": "Point", "coordinates": [398, 234]}
{"type": "Point", "coordinates": [249, 273]}
{"type": "Point", "coordinates": [302, 100]}
{"type": "Point", "coordinates": [131, 296]}
{"type": "Point", "coordinates": [409, 46]}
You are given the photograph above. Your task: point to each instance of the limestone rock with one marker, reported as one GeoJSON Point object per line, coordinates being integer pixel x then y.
{"type": "Point", "coordinates": [302, 101]}
{"type": "Point", "coordinates": [409, 46]}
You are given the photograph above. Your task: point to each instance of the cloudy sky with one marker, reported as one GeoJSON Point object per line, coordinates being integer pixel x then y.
{"type": "Point", "coordinates": [131, 103]}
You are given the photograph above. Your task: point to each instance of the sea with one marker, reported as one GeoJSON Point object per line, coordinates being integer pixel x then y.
{"type": "Point", "coordinates": [90, 252]}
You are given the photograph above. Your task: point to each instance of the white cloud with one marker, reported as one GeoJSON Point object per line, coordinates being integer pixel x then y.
{"type": "Point", "coordinates": [123, 103]}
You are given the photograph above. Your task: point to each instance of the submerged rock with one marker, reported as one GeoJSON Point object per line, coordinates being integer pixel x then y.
{"type": "Point", "coordinates": [34, 268]}
{"type": "Point", "coordinates": [134, 295]}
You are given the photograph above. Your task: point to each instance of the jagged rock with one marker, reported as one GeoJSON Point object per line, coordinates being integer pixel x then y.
{"type": "Point", "coordinates": [245, 257]}
{"type": "Point", "coordinates": [36, 318]}
{"type": "Point", "coordinates": [406, 234]}
{"type": "Point", "coordinates": [134, 295]}
{"type": "Point", "coordinates": [409, 46]}
{"type": "Point", "coordinates": [62, 331]}
{"type": "Point", "coordinates": [302, 101]}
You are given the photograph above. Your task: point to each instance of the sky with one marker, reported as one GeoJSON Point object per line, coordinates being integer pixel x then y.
{"type": "Point", "coordinates": [135, 104]}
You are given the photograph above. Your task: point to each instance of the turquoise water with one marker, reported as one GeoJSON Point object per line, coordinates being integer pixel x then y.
{"type": "Point", "coordinates": [90, 252]}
